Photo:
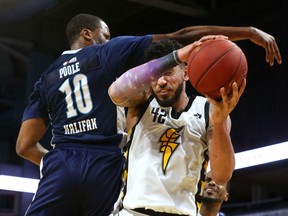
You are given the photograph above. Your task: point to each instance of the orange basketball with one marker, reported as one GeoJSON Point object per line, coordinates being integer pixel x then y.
{"type": "Point", "coordinates": [215, 64]}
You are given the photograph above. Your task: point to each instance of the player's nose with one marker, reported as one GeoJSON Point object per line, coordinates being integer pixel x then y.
{"type": "Point", "coordinates": [212, 183]}
{"type": "Point", "coordinates": [162, 81]}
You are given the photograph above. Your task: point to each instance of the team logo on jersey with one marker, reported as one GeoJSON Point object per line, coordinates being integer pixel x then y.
{"type": "Point", "coordinates": [198, 115]}
{"type": "Point", "coordinates": [169, 145]}
{"type": "Point", "coordinates": [72, 60]}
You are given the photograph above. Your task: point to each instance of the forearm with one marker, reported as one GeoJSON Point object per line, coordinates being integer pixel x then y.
{"type": "Point", "coordinates": [134, 81]}
{"type": "Point", "coordinates": [221, 153]}
{"type": "Point", "coordinates": [34, 153]}
{"type": "Point", "coordinates": [192, 33]}
{"type": "Point", "coordinates": [27, 145]}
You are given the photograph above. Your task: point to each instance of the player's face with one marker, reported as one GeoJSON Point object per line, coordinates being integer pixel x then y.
{"type": "Point", "coordinates": [214, 192]}
{"type": "Point", "coordinates": [168, 88]}
{"type": "Point", "coordinates": [101, 35]}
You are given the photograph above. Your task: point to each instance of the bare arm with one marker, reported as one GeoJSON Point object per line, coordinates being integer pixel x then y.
{"type": "Point", "coordinates": [129, 89]}
{"type": "Point", "coordinates": [27, 145]}
{"type": "Point", "coordinates": [221, 151]}
{"type": "Point", "coordinates": [192, 33]}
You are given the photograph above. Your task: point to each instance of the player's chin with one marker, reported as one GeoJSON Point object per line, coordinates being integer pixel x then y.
{"type": "Point", "coordinates": [164, 95]}
{"type": "Point", "coordinates": [165, 101]}
{"type": "Point", "coordinates": [209, 199]}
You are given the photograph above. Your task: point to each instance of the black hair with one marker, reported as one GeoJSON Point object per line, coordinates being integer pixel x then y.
{"type": "Point", "coordinates": [78, 23]}
{"type": "Point", "coordinates": [161, 48]}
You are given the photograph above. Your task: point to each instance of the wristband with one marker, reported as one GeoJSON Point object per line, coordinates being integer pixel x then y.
{"type": "Point", "coordinates": [176, 57]}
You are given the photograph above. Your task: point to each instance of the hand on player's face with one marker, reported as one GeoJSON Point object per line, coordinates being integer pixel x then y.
{"type": "Point", "coordinates": [168, 88]}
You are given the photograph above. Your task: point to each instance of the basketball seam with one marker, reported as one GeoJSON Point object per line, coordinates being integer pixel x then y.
{"type": "Point", "coordinates": [231, 76]}
{"type": "Point", "coordinates": [201, 48]}
{"type": "Point", "coordinates": [211, 65]}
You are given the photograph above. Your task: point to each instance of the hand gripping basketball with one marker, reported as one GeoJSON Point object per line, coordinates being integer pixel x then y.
{"type": "Point", "coordinates": [214, 64]}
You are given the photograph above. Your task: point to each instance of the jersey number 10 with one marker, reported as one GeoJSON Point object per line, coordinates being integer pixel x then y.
{"type": "Point", "coordinates": [81, 98]}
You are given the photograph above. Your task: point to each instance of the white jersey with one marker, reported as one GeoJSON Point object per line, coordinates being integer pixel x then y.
{"type": "Point", "coordinates": [166, 157]}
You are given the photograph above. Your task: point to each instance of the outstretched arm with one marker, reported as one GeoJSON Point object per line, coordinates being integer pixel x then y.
{"type": "Point", "coordinates": [133, 82]}
{"type": "Point", "coordinates": [221, 151]}
{"type": "Point", "coordinates": [192, 33]}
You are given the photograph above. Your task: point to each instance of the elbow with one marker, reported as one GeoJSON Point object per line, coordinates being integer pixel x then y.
{"type": "Point", "coordinates": [222, 179]}
{"type": "Point", "coordinates": [114, 95]}
{"type": "Point", "coordinates": [223, 175]}
{"type": "Point", "coordinates": [117, 97]}
{"type": "Point", "coordinates": [20, 148]}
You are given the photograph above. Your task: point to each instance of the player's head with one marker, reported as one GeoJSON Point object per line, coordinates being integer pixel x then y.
{"type": "Point", "coordinates": [213, 194]}
{"type": "Point", "coordinates": [169, 87]}
{"type": "Point", "coordinates": [92, 29]}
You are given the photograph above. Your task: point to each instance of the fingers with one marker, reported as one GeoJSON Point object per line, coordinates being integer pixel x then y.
{"type": "Point", "coordinates": [230, 101]}
{"type": "Point", "coordinates": [224, 95]}
{"type": "Point", "coordinates": [184, 52]}
{"type": "Point", "coordinates": [268, 42]}
{"type": "Point", "coordinates": [242, 88]}
{"type": "Point", "coordinates": [276, 53]}
{"type": "Point", "coordinates": [212, 37]}
{"type": "Point", "coordinates": [272, 52]}
{"type": "Point", "coordinates": [222, 109]}
{"type": "Point", "coordinates": [221, 37]}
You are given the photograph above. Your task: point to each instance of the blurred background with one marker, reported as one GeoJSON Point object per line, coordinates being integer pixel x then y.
{"type": "Point", "coordinates": [32, 35]}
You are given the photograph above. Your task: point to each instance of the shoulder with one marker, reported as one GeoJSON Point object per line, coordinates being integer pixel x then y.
{"type": "Point", "coordinates": [201, 102]}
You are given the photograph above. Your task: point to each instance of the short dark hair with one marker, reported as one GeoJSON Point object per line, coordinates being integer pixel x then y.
{"type": "Point", "coordinates": [78, 23]}
{"type": "Point", "coordinates": [161, 48]}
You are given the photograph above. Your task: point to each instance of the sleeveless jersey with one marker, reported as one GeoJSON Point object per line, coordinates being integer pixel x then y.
{"type": "Point", "coordinates": [73, 92]}
{"type": "Point", "coordinates": [167, 157]}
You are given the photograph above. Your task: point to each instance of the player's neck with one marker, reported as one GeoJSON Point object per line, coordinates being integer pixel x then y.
{"type": "Point", "coordinates": [79, 44]}
{"type": "Point", "coordinates": [208, 210]}
{"type": "Point", "coordinates": [182, 103]}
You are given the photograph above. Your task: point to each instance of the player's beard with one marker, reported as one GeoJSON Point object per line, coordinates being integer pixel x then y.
{"type": "Point", "coordinates": [170, 101]}
{"type": "Point", "coordinates": [209, 200]}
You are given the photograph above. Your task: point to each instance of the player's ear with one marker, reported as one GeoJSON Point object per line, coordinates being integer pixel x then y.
{"type": "Point", "coordinates": [186, 78]}
{"type": "Point", "coordinates": [226, 197]}
{"type": "Point", "coordinates": [86, 33]}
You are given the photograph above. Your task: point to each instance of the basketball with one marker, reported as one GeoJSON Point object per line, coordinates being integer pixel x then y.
{"type": "Point", "coordinates": [215, 64]}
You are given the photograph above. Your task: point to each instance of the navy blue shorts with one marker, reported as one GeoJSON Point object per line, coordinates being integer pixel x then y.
{"type": "Point", "coordinates": [80, 180]}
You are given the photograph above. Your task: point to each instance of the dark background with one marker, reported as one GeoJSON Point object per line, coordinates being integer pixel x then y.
{"type": "Point", "coordinates": [32, 35]}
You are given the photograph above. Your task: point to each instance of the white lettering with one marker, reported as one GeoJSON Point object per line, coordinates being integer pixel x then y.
{"type": "Point", "coordinates": [89, 127]}
{"type": "Point", "coordinates": [71, 128]}
{"type": "Point", "coordinates": [66, 128]}
{"type": "Point", "coordinates": [84, 125]}
{"type": "Point", "coordinates": [80, 126]}
{"type": "Point", "coordinates": [69, 70]}
{"type": "Point", "coordinates": [93, 121]}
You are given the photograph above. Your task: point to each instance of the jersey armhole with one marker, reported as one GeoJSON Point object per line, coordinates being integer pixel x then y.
{"type": "Point", "coordinates": [206, 113]}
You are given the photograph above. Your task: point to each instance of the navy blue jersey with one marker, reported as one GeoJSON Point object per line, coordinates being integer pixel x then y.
{"type": "Point", "coordinates": [73, 92]}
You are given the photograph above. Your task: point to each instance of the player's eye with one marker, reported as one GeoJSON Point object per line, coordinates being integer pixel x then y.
{"type": "Point", "coordinates": [168, 73]}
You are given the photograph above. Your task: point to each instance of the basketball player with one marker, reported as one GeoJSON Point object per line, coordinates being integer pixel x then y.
{"type": "Point", "coordinates": [212, 197]}
{"type": "Point", "coordinates": [82, 174]}
{"type": "Point", "coordinates": [168, 146]}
